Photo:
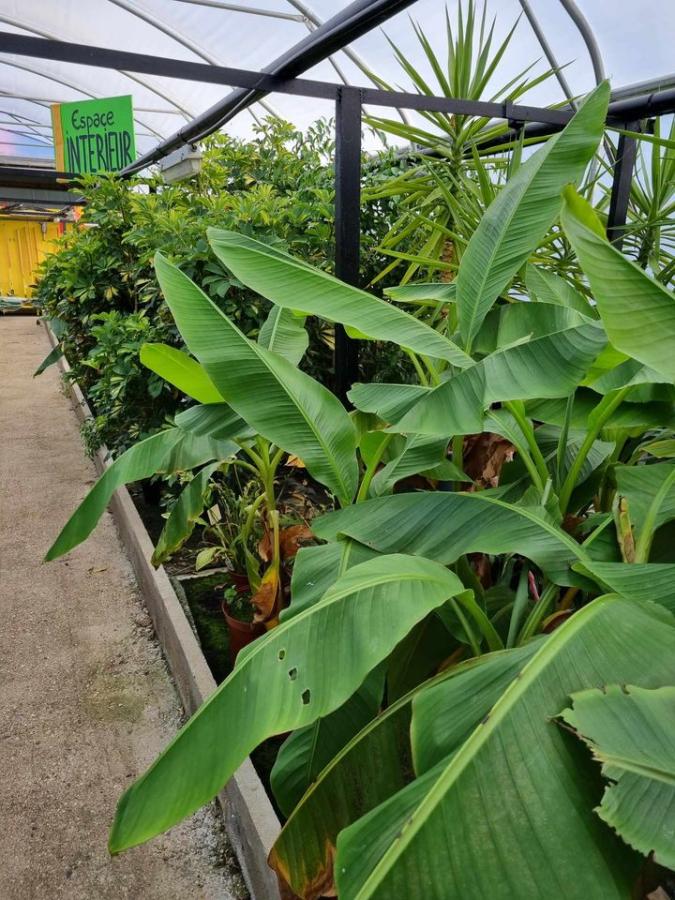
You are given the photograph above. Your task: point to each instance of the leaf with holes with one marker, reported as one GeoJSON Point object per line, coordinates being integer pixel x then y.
{"type": "Point", "coordinates": [375, 765]}
{"type": "Point", "coordinates": [303, 669]}
{"type": "Point", "coordinates": [308, 750]}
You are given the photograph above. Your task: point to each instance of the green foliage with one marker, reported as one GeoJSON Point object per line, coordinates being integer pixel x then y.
{"type": "Point", "coordinates": [117, 382]}
{"type": "Point", "coordinates": [296, 669]}
{"type": "Point", "coordinates": [101, 285]}
{"type": "Point", "coordinates": [483, 600]}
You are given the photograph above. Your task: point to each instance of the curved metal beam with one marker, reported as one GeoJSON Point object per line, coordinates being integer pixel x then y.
{"type": "Point", "coordinates": [69, 84]}
{"type": "Point", "coordinates": [350, 23]}
{"type": "Point", "coordinates": [49, 101]}
{"type": "Point", "coordinates": [50, 35]}
{"type": "Point", "coordinates": [586, 33]}
{"type": "Point", "coordinates": [151, 19]}
{"type": "Point", "coordinates": [249, 10]}
{"type": "Point", "coordinates": [548, 51]}
{"type": "Point", "coordinates": [310, 16]}
{"type": "Point", "coordinates": [25, 122]}
{"type": "Point", "coordinates": [343, 78]}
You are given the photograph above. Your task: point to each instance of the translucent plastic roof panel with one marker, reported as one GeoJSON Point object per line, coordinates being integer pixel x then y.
{"type": "Point", "coordinates": [635, 40]}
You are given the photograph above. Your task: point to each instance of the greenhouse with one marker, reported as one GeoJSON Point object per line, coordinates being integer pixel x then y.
{"type": "Point", "coordinates": [337, 450]}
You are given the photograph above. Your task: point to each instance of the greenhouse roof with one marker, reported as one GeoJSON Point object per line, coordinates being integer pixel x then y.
{"type": "Point", "coordinates": [252, 34]}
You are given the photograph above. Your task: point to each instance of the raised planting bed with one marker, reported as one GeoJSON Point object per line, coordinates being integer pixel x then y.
{"type": "Point", "coordinates": [250, 819]}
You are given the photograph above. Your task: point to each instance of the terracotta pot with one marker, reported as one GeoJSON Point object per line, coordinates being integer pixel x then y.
{"type": "Point", "coordinates": [241, 633]}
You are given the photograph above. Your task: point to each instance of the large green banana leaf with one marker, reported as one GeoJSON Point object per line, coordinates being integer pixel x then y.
{"type": "Point", "coordinates": [441, 291]}
{"type": "Point", "coordinates": [520, 782]}
{"type": "Point", "coordinates": [629, 372]}
{"type": "Point", "coordinates": [549, 366]}
{"type": "Point", "coordinates": [282, 403]}
{"type": "Point", "coordinates": [547, 287]}
{"type": "Point", "coordinates": [639, 581]}
{"type": "Point", "coordinates": [443, 526]}
{"type": "Point", "coordinates": [295, 285]}
{"type": "Point", "coordinates": [303, 669]}
{"type": "Point", "coordinates": [184, 514]}
{"type": "Point", "coordinates": [637, 311]}
{"type": "Point", "coordinates": [173, 450]}
{"type": "Point", "coordinates": [180, 370]}
{"type": "Point", "coordinates": [631, 731]}
{"type": "Point", "coordinates": [309, 750]}
{"type": "Point", "coordinates": [372, 767]}
{"type": "Point", "coordinates": [467, 699]}
{"type": "Point", "coordinates": [522, 213]}
{"type": "Point", "coordinates": [285, 333]}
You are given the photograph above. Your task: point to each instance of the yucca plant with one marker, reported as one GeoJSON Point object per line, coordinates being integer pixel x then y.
{"type": "Point", "coordinates": [415, 665]}
{"type": "Point", "coordinates": [649, 235]}
{"type": "Point", "coordinates": [442, 200]}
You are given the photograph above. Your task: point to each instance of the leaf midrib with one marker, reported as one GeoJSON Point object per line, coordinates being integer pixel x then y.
{"type": "Point", "coordinates": [467, 752]}
{"type": "Point", "coordinates": [636, 768]}
{"type": "Point", "coordinates": [497, 245]}
{"type": "Point", "coordinates": [400, 313]}
{"type": "Point", "coordinates": [261, 352]}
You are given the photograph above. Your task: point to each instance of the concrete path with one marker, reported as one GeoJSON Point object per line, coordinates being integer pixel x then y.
{"type": "Point", "coordinates": [86, 702]}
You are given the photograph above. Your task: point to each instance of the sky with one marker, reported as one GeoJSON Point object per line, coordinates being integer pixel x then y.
{"type": "Point", "coordinates": [636, 38]}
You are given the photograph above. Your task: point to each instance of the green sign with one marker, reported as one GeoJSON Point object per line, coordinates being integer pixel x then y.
{"type": "Point", "coordinates": [94, 135]}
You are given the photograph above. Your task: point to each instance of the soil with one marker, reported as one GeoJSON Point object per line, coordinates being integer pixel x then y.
{"type": "Point", "coordinates": [86, 701]}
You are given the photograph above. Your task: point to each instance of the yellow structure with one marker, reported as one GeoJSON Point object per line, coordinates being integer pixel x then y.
{"type": "Point", "coordinates": [23, 244]}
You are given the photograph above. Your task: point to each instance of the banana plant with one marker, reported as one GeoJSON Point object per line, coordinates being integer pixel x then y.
{"type": "Point", "coordinates": [434, 637]}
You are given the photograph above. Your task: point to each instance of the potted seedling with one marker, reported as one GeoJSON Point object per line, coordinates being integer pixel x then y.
{"type": "Point", "coordinates": [239, 614]}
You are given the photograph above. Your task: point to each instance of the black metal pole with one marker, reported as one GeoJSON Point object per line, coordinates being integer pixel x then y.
{"type": "Point", "coordinates": [347, 223]}
{"type": "Point", "coordinates": [624, 165]}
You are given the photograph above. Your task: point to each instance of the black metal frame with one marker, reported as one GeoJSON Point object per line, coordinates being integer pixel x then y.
{"type": "Point", "coordinates": [624, 166]}
{"type": "Point", "coordinates": [347, 223]}
{"type": "Point", "coordinates": [533, 123]}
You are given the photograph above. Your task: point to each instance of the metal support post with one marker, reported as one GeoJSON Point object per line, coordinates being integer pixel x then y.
{"type": "Point", "coordinates": [347, 222]}
{"type": "Point", "coordinates": [624, 166]}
